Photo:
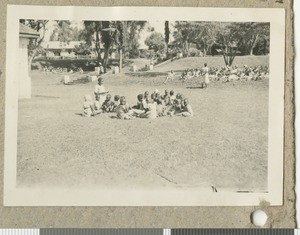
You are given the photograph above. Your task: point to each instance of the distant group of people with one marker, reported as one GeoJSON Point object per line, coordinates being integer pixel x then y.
{"type": "Point", "coordinates": [190, 73]}
{"type": "Point", "coordinates": [148, 105]}
{"type": "Point", "coordinates": [223, 74]}
{"type": "Point", "coordinates": [243, 73]}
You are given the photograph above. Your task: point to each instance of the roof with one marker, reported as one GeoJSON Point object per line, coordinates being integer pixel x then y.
{"type": "Point", "coordinates": [27, 32]}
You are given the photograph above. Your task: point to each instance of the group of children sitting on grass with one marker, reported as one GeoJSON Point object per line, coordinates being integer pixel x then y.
{"type": "Point", "coordinates": [148, 105]}
{"type": "Point", "coordinates": [190, 73]}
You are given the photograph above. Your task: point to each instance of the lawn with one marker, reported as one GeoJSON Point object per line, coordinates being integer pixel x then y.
{"type": "Point", "coordinates": [224, 144]}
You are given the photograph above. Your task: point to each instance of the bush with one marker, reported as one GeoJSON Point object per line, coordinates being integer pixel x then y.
{"type": "Point", "coordinates": [146, 54]}
{"type": "Point", "coordinates": [172, 52]}
{"type": "Point", "coordinates": [134, 53]}
{"type": "Point", "coordinates": [195, 52]}
{"type": "Point", "coordinates": [36, 66]}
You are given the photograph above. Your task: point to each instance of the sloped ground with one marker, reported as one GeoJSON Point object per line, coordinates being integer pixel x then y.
{"type": "Point", "coordinates": [213, 61]}
{"type": "Point", "coordinates": [224, 144]}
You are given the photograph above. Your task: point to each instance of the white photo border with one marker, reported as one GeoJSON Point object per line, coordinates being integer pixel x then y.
{"type": "Point", "coordinates": [16, 196]}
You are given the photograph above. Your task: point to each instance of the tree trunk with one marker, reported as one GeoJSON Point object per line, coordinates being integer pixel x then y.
{"type": "Point", "coordinates": [251, 51]}
{"type": "Point", "coordinates": [97, 44]}
{"type": "Point", "coordinates": [253, 45]}
{"type": "Point", "coordinates": [167, 51]}
{"type": "Point", "coordinates": [231, 60]}
{"type": "Point", "coordinates": [204, 51]}
{"type": "Point", "coordinates": [105, 59]}
{"type": "Point", "coordinates": [225, 59]}
{"type": "Point", "coordinates": [120, 59]}
{"type": "Point", "coordinates": [188, 49]}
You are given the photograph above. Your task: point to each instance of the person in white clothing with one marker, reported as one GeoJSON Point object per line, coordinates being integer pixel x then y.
{"type": "Point", "coordinates": [87, 106]}
{"type": "Point", "coordinates": [100, 91]}
{"type": "Point", "coordinates": [206, 71]}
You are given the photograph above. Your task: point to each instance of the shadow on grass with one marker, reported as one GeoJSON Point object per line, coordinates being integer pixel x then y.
{"type": "Point", "coordinates": [76, 82]}
{"type": "Point", "coordinates": [146, 74]}
{"type": "Point", "coordinates": [195, 87]}
{"type": "Point", "coordinates": [46, 96]}
{"type": "Point", "coordinates": [81, 81]}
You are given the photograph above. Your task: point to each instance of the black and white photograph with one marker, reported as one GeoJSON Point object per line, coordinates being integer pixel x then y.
{"type": "Point", "coordinates": [144, 106]}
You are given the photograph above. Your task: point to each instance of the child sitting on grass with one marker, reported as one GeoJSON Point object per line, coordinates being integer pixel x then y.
{"type": "Point", "coordinates": [166, 95]}
{"type": "Point", "coordinates": [151, 111]}
{"type": "Point", "coordinates": [123, 110]}
{"type": "Point", "coordinates": [152, 99]}
{"type": "Point", "coordinates": [172, 97]}
{"type": "Point", "coordinates": [116, 103]}
{"type": "Point", "coordinates": [141, 106]}
{"type": "Point", "coordinates": [87, 106]}
{"type": "Point", "coordinates": [155, 95]}
{"type": "Point", "coordinates": [176, 105]}
{"type": "Point", "coordinates": [178, 102]}
{"type": "Point", "coordinates": [160, 108]}
{"type": "Point", "coordinates": [187, 110]}
{"type": "Point", "coordinates": [97, 105]}
{"type": "Point", "coordinates": [107, 105]}
{"type": "Point", "coordinates": [146, 96]}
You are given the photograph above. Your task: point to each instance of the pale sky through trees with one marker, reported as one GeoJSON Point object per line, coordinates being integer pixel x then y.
{"type": "Point", "coordinates": [159, 26]}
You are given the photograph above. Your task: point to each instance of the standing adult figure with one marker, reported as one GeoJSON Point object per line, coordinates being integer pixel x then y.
{"type": "Point", "coordinates": [206, 73]}
{"type": "Point", "coordinates": [100, 91]}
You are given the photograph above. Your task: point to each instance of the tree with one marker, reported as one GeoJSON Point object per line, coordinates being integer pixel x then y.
{"type": "Point", "coordinates": [108, 36]}
{"type": "Point", "coordinates": [253, 33]}
{"type": "Point", "coordinates": [64, 32]}
{"type": "Point", "coordinates": [122, 34]}
{"type": "Point", "coordinates": [155, 41]}
{"type": "Point", "coordinates": [229, 39]}
{"type": "Point", "coordinates": [132, 37]}
{"type": "Point", "coordinates": [186, 33]}
{"type": "Point", "coordinates": [92, 35]}
{"type": "Point", "coordinates": [207, 38]}
{"type": "Point", "coordinates": [82, 49]}
{"type": "Point", "coordinates": [34, 47]}
{"type": "Point", "coordinates": [167, 35]}
{"type": "Point", "coordinates": [120, 40]}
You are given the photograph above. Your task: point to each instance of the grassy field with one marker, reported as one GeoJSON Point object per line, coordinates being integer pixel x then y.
{"type": "Point", "coordinates": [224, 144]}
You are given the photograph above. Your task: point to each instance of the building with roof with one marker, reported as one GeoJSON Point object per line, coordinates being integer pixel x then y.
{"type": "Point", "coordinates": [25, 35]}
{"type": "Point", "coordinates": [66, 49]}
{"type": "Point", "coordinates": [57, 48]}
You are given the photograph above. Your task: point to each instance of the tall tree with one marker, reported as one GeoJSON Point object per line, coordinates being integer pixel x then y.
{"type": "Point", "coordinates": [121, 38]}
{"type": "Point", "coordinates": [252, 34]}
{"type": "Point", "coordinates": [64, 32]}
{"type": "Point", "coordinates": [121, 34]}
{"type": "Point", "coordinates": [134, 29]}
{"type": "Point", "coordinates": [108, 37]}
{"type": "Point", "coordinates": [167, 35]}
{"type": "Point", "coordinates": [229, 40]}
{"type": "Point", "coordinates": [207, 38]}
{"type": "Point", "coordinates": [186, 33]}
{"type": "Point", "coordinates": [92, 35]}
